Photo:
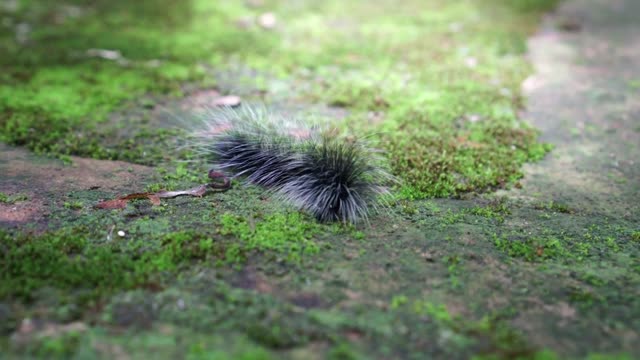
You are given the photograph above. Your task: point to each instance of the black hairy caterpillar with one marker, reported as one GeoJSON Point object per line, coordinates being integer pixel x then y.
{"type": "Point", "coordinates": [332, 177]}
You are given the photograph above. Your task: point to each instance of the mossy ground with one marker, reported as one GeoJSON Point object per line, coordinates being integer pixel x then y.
{"type": "Point", "coordinates": [445, 78]}
{"type": "Point", "coordinates": [238, 275]}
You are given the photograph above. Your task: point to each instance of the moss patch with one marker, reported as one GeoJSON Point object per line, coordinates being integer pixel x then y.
{"type": "Point", "coordinates": [596, 241]}
{"type": "Point", "coordinates": [439, 84]}
{"type": "Point", "coordinates": [78, 62]}
{"type": "Point", "coordinates": [286, 233]}
{"type": "Point", "coordinates": [236, 274]}
{"type": "Point", "coordinates": [67, 261]}
{"type": "Point", "coordinates": [488, 335]}
{"type": "Point", "coordinates": [12, 199]}
{"type": "Point", "coordinates": [91, 263]}
{"type": "Point", "coordinates": [440, 80]}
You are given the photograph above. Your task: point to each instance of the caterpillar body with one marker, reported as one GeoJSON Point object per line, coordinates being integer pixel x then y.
{"type": "Point", "coordinates": [331, 176]}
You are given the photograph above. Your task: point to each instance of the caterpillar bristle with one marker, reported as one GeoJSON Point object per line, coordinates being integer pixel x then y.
{"type": "Point", "coordinates": [329, 176]}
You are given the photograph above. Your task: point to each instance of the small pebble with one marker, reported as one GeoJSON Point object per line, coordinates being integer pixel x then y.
{"type": "Point", "coordinates": [267, 20]}
{"type": "Point", "coordinates": [229, 100]}
{"type": "Point", "coordinates": [471, 62]}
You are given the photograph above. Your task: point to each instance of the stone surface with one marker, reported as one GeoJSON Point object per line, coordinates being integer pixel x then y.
{"type": "Point", "coordinates": [585, 97]}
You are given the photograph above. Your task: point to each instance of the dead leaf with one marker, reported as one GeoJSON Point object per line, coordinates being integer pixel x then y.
{"type": "Point", "coordinates": [121, 203]}
{"type": "Point", "coordinates": [196, 191]}
{"type": "Point", "coordinates": [112, 204]}
{"type": "Point", "coordinates": [155, 199]}
{"type": "Point", "coordinates": [220, 182]}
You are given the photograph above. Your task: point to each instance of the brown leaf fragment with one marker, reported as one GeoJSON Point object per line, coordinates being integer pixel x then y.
{"type": "Point", "coordinates": [198, 191]}
{"type": "Point", "coordinates": [121, 203]}
{"type": "Point", "coordinates": [155, 199]}
{"type": "Point", "coordinates": [112, 204]}
{"type": "Point", "coordinates": [219, 182]}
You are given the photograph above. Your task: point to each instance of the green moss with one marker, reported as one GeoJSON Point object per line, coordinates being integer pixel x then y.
{"type": "Point", "coordinates": [398, 301]}
{"type": "Point", "coordinates": [288, 234]}
{"type": "Point", "coordinates": [454, 265]}
{"type": "Point", "coordinates": [74, 205]}
{"type": "Point", "coordinates": [344, 351]}
{"type": "Point", "coordinates": [594, 241]}
{"type": "Point", "coordinates": [438, 86]}
{"type": "Point", "coordinates": [533, 5]}
{"type": "Point", "coordinates": [490, 335]}
{"type": "Point", "coordinates": [533, 249]}
{"type": "Point", "coordinates": [408, 207]}
{"type": "Point", "coordinates": [438, 312]}
{"type": "Point", "coordinates": [69, 261]}
{"type": "Point", "coordinates": [554, 207]}
{"type": "Point", "coordinates": [445, 163]}
{"type": "Point", "coordinates": [56, 93]}
{"type": "Point", "coordinates": [180, 248]}
{"type": "Point", "coordinates": [95, 343]}
{"type": "Point", "coordinates": [447, 96]}
{"type": "Point", "coordinates": [156, 187]}
{"type": "Point", "coordinates": [182, 173]}
{"type": "Point", "coordinates": [12, 199]}
{"type": "Point", "coordinates": [495, 210]}
{"type": "Point", "coordinates": [62, 260]}
{"type": "Point", "coordinates": [443, 99]}
{"type": "Point", "coordinates": [61, 346]}
{"type": "Point", "coordinates": [609, 357]}
{"type": "Point", "coordinates": [583, 298]}
{"type": "Point", "coordinates": [451, 217]}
